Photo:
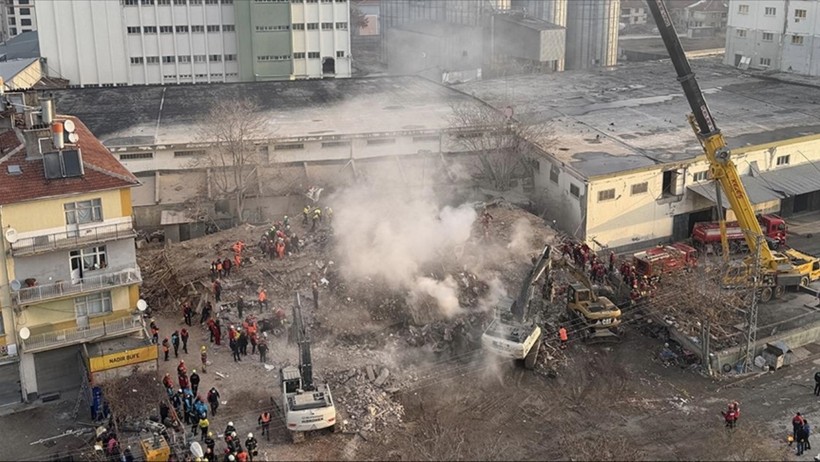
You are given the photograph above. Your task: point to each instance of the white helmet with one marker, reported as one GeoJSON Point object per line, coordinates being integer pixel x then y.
{"type": "Point", "coordinates": [231, 458]}
{"type": "Point", "coordinates": [250, 435]}
{"type": "Point", "coordinates": [230, 424]}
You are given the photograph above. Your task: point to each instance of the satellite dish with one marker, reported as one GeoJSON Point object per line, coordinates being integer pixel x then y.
{"type": "Point", "coordinates": [25, 333]}
{"type": "Point", "coordinates": [196, 450]}
{"type": "Point", "coordinates": [15, 285]}
{"type": "Point", "coordinates": [142, 305]}
{"type": "Point", "coordinates": [11, 235]}
{"type": "Point", "coordinates": [73, 138]}
{"type": "Point", "coordinates": [69, 126]}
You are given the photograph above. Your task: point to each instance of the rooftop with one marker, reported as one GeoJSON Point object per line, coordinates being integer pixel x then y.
{"type": "Point", "coordinates": [102, 170]}
{"type": "Point", "coordinates": [639, 111]}
{"type": "Point", "coordinates": [159, 115]}
{"type": "Point", "coordinates": [25, 45]}
{"type": "Point", "coordinates": [9, 69]}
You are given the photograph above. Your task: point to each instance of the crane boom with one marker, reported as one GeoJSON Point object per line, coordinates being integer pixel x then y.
{"type": "Point", "coordinates": [714, 145]}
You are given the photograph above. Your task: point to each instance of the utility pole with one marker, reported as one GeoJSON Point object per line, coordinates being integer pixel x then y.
{"type": "Point", "coordinates": [751, 315]}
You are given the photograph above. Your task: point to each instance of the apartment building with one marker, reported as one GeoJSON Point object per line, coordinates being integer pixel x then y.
{"type": "Point", "coordinates": [634, 12]}
{"type": "Point", "coordinates": [69, 276]}
{"type": "Point", "coordinates": [18, 16]}
{"type": "Point", "coordinates": [782, 35]}
{"type": "Point", "coordinates": [136, 42]}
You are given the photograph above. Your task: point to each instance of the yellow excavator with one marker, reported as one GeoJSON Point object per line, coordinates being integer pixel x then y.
{"type": "Point", "coordinates": [777, 270]}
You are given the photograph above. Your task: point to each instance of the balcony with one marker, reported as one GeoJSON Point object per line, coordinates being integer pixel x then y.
{"type": "Point", "coordinates": [60, 289]}
{"type": "Point", "coordinates": [88, 234]}
{"type": "Point", "coordinates": [65, 337]}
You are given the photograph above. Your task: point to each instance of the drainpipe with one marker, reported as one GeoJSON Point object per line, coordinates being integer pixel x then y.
{"type": "Point", "coordinates": [5, 300]}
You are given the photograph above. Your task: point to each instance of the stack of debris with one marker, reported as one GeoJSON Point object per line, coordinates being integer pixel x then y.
{"type": "Point", "coordinates": [365, 396]}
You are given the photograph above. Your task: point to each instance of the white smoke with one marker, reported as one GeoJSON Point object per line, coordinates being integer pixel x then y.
{"type": "Point", "coordinates": [392, 234]}
{"type": "Point", "coordinates": [522, 234]}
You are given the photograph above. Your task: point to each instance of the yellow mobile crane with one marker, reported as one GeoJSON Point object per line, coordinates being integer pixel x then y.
{"type": "Point", "coordinates": [777, 270]}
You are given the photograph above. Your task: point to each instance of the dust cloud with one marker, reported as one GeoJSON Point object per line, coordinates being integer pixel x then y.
{"type": "Point", "coordinates": [392, 235]}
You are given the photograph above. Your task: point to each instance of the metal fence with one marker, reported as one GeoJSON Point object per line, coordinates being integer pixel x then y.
{"type": "Point", "coordinates": [87, 284]}
{"type": "Point", "coordinates": [78, 335]}
{"type": "Point", "coordinates": [74, 238]}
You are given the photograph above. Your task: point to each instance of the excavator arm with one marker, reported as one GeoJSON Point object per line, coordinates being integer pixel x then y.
{"type": "Point", "coordinates": [520, 307]}
{"type": "Point", "coordinates": [714, 145]}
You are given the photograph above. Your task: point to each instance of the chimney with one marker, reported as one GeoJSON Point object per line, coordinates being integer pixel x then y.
{"type": "Point", "coordinates": [47, 110]}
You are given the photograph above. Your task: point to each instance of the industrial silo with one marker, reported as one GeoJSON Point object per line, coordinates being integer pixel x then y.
{"type": "Point", "coordinates": [592, 33]}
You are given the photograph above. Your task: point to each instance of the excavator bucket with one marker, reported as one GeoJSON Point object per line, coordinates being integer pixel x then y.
{"type": "Point", "coordinates": [604, 336]}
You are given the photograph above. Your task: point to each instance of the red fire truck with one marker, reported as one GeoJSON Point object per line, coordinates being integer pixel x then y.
{"type": "Point", "coordinates": [665, 259]}
{"type": "Point", "coordinates": [707, 234]}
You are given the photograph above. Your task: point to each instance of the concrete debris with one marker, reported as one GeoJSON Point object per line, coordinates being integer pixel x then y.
{"type": "Point", "coordinates": [369, 407]}
{"type": "Point", "coordinates": [383, 375]}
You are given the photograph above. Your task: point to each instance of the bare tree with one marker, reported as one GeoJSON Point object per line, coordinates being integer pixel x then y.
{"type": "Point", "coordinates": [358, 20]}
{"type": "Point", "coordinates": [233, 128]}
{"type": "Point", "coordinates": [505, 148]}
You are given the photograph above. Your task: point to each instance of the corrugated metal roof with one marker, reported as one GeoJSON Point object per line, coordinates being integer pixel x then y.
{"type": "Point", "coordinates": [771, 185]}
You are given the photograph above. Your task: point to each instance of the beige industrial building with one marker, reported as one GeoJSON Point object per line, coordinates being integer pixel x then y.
{"type": "Point", "coordinates": [626, 170]}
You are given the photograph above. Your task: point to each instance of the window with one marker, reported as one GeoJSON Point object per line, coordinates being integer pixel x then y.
{"type": "Point", "coordinates": [93, 304]}
{"type": "Point", "coordinates": [700, 176]}
{"type": "Point", "coordinates": [272, 28]}
{"type": "Point", "coordinates": [228, 27]}
{"type": "Point", "coordinates": [606, 195]}
{"type": "Point", "coordinates": [766, 62]}
{"type": "Point", "coordinates": [639, 188]}
{"type": "Point", "coordinates": [137, 60]}
{"type": "Point", "coordinates": [195, 2]}
{"type": "Point", "coordinates": [273, 58]}
{"type": "Point", "coordinates": [574, 190]}
{"type": "Point", "coordinates": [554, 172]}
{"type": "Point", "coordinates": [379, 141]}
{"type": "Point", "coordinates": [313, 54]}
{"type": "Point", "coordinates": [166, 29]}
{"type": "Point", "coordinates": [230, 57]}
{"type": "Point", "coordinates": [212, 2]}
{"type": "Point", "coordinates": [90, 259]}
{"type": "Point", "coordinates": [288, 147]}
{"type": "Point", "coordinates": [131, 29]}
{"type": "Point", "coordinates": [192, 153]}
{"type": "Point", "coordinates": [741, 32]}
{"type": "Point", "coordinates": [180, 2]}
{"type": "Point", "coordinates": [25, 11]}
{"type": "Point", "coordinates": [770, 11]}
{"type": "Point", "coordinates": [197, 28]}
{"type": "Point", "coordinates": [183, 59]}
{"type": "Point", "coordinates": [182, 29]}
{"type": "Point", "coordinates": [152, 59]}
{"type": "Point", "coordinates": [83, 212]}
{"type": "Point", "coordinates": [797, 40]}
{"type": "Point", "coordinates": [168, 59]}
{"type": "Point", "coordinates": [213, 28]}
{"type": "Point", "coordinates": [199, 76]}
{"type": "Point", "coordinates": [23, 2]}
{"type": "Point", "coordinates": [227, 2]}
{"type": "Point", "coordinates": [298, 26]}
{"type": "Point", "coordinates": [327, 26]}
{"type": "Point", "coordinates": [341, 25]}
{"type": "Point", "coordinates": [163, 2]}
{"type": "Point", "coordinates": [13, 22]}
{"type": "Point", "coordinates": [215, 58]}
{"type": "Point", "coordinates": [800, 14]}
{"type": "Point", "coordinates": [200, 58]}
{"type": "Point", "coordinates": [299, 55]}
{"type": "Point", "coordinates": [13, 31]}
{"type": "Point", "coordinates": [743, 9]}
{"type": "Point", "coordinates": [339, 144]}
{"type": "Point", "coordinates": [311, 1]}
{"type": "Point", "coordinates": [131, 2]}
{"type": "Point", "coordinates": [25, 22]}
{"type": "Point", "coordinates": [768, 36]}
{"type": "Point", "coordinates": [136, 155]}
{"type": "Point", "coordinates": [147, 2]}
{"type": "Point", "coordinates": [312, 25]}
{"type": "Point", "coordinates": [340, 54]}
{"type": "Point", "coordinates": [149, 29]}
{"type": "Point", "coordinates": [783, 160]}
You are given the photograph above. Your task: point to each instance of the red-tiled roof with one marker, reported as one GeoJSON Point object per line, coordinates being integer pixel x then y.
{"type": "Point", "coordinates": [102, 170]}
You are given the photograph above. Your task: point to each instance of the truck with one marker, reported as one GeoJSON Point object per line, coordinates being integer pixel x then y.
{"type": "Point", "coordinates": [598, 315]}
{"type": "Point", "coordinates": [305, 404]}
{"type": "Point", "coordinates": [513, 333]}
{"type": "Point", "coordinates": [706, 234]}
{"type": "Point", "coordinates": [665, 259]}
{"type": "Point", "coordinates": [768, 271]}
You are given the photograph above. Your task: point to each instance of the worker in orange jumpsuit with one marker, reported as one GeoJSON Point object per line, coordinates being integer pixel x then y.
{"type": "Point", "coordinates": [562, 335]}
{"type": "Point", "coordinates": [263, 298]}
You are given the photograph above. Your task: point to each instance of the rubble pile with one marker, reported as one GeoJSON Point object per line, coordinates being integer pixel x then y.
{"type": "Point", "coordinates": [365, 394]}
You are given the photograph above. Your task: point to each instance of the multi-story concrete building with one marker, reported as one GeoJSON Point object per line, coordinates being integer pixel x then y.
{"type": "Point", "coordinates": [69, 276]}
{"type": "Point", "coordinates": [18, 16]}
{"type": "Point", "coordinates": [705, 18]}
{"type": "Point", "coordinates": [633, 12]}
{"type": "Point", "coordinates": [774, 34]}
{"type": "Point", "coordinates": [132, 42]}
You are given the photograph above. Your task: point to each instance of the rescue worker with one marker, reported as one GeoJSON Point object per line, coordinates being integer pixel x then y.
{"type": "Point", "coordinates": [194, 382]}
{"type": "Point", "coordinates": [234, 349]}
{"type": "Point", "coordinates": [175, 343]}
{"type": "Point", "coordinates": [562, 336]}
{"type": "Point", "coordinates": [229, 430]}
{"type": "Point", "coordinates": [797, 424]}
{"type": "Point", "coordinates": [206, 312]}
{"type": "Point", "coordinates": [242, 342]}
{"type": "Point", "coordinates": [154, 332]}
{"type": "Point", "coordinates": [167, 381]}
{"type": "Point", "coordinates": [317, 217]}
{"type": "Point", "coordinates": [305, 214]}
{"type": "Point", "coordinates": [203, 426]}
{"type": "Point", "coordinates": [251, 445]}
{"type": "Point", "coordinates": [203, 355]}
{"type": "Point", "coordinates": [329, 213]}
{"type": "Point", "coordinates": [217, 286]}
{"type": "Point", "coordinates": [730, 416]}
{"type": "Point", "coordinates": [817, 383]}
{"type": "Point", "coordinates": [263, 349]}
{"type": "Point", "coordinates": [187, 312]}
{"type": "Point", "coordinates": [183, 335]}
{"type": "Point", "coordinates": [165, 348]}
{"type": "Point", "coordinates": [240, 306]}
{"type": "Point", "coordinates": [209, 441]}
{"type": "Point", "coordinates": [226, 266]}
{"type": "Point", "coordinates": [611, 261]}
{"type": "Point", "coordinates": [213, 400]}
{"type": "Point", "coordinates": [264, 422]}
{"type": "Point", "coordinates": [263, 299]}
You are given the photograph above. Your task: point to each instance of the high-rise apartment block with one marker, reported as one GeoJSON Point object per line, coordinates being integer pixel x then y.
{"type": "Point", "coordinates": [133, 42]}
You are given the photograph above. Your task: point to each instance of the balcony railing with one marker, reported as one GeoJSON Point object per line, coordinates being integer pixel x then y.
{"type": "Point", "coordinates": [72, 239]}
{"type": "Point", "coordinates": [61, 289]}
{"type": "Point", "coordinates": [75, 335]}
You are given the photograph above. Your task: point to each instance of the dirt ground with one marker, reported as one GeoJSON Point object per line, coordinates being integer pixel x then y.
{"type": "Point", "coordinates": [444, 399]}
